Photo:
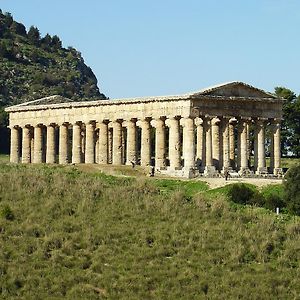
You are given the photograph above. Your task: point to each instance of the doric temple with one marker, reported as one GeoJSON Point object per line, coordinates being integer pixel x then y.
{"type": "Point", "coordinates": [229, 127]}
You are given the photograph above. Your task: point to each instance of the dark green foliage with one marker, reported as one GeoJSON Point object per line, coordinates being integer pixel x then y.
{"type": "Point", "coordinates": [290, 127]}
{"type": "Point", "coordinates": [292, 190]}
{"type": "Point", "coordinates": [241, 193]}
{"type": "Point", "coordinates": [7, 213]}
{"type": "Point", "coordinates": [34, 35]}
{"type": "Point", "coordinates": [245, 194]}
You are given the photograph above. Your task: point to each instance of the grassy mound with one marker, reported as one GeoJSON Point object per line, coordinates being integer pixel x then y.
{"type": "Point", "coordinates": [67, 234]}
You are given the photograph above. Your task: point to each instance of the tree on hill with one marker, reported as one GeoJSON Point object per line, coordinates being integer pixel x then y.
{"type": "Point", "coordinates": [34, 35]}
{"type": "Point", "coordinates": [290, 127]}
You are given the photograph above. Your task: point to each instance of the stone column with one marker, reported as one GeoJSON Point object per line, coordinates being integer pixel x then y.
{"type": "Point", "coordinates": [63, 144]}
{"type": "Point", "coordinates": [243, 151]}
{"type": "Point", "coordinates": [145, 142]}
{"type": "Point", "coordinates": [76, 145]}
{"type": "Point", "coordinates": [276, 148]}
{"type": "Point", "coordinates": [215, 131]}
{"type": "Point", "coordinates": [160, 143]}
{"type": "Point", "coordinates": [174, 143]}
{"type": "Point", "coordinates": [38, 145]}
{"type": "Point", "coordinates": [188, 145]}
{"type": "Point", "coordinates": [14, 144]}
{"type": "Point", "coordinates": [50, 150]}
{"type": "Point", "coordinates": [103, 143]}
{"type": "Point", "coordinates": [90, 142]}
{"type": "Point", "coordinates": [117, 143]}
{"type": "Point", "coordinates": [261, 154]}
{"type": "Point", "coordinates": [209, 167]}
{"type": "Point", "coordinates": [110, 144]}
{"type": "Point", "coordinates": [26, 152]}
{"type": "Point", "coordinates": [232, 123]}
{"type": "Point", "coordinates": [225, 147]}
{"type": "Point", "coordinates": [200, 150]}
{"type": "Point", "coordinates": [131, 142]}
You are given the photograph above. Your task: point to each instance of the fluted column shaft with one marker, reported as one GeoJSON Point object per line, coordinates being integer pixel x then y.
{"type": "Point", "coordinates": [243, 145]}
{"type": "Point", "coordinates": [276, 148]}
{"type": "Point", "coordinates": [38, 145]}
{"type": "Point", "coordinates": [50, 151]}
{"type": "Point", "coordinates": [188, 143]}
{"type": "Point", "coordinates": [14, 144]}
{"type": "Point", "coordinates": [232, 123]}
{"type": "Point", "coordinates": [174, 143]}
{"type": "Point", "coordinates": [160, 143]}
{"type": "Point", "coordinates": [63, 144]}
{"type": "Point", "coordinates": [117, 143]}
{"type": "Point", "coordinates": [90, 143]}
{"type": "Point", "coordinates": [103, 143]}
{"type": "Point", "coordinates": [215, 131]}
{"type": "Point", "coordinates": [26, 152]}
{"type": "Point", "coordinates": [261, 155]}
{"type": "Point", "coordinates": [199, 136]}
{"type": "Point", "coordinates": [76, 146]}
{"type": "Point", "coordinates": [131, 142]}
{"type": "Point", "coordinates": [145, 143]}
{"type": "Point", "coordinates": [226, 145]}
{"type": "Point", "coordinates": [208, 138]}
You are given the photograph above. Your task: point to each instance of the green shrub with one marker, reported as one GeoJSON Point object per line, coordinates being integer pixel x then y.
{"type": "Point", "coordinates": [241, 193]}
{"type": "Point", "coordinates": [7, 213]}
{"type": "Point", "coordinates": [292, 190]}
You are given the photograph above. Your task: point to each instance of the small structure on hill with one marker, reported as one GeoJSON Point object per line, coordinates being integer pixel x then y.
{"type": "Point", "coordinates": [205, 132]}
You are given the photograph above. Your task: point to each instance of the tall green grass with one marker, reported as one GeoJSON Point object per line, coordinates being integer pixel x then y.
{"type": "Point", "coordinates": [76, 235]}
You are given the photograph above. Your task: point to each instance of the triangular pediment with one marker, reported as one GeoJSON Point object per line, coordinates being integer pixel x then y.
{"type": "Point", "coordinates": [55, 99]}
{"type": "Point", "coordinates": [234, 89]}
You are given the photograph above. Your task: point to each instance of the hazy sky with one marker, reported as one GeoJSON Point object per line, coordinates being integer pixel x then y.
{"type": "Point", "coordinates": [161, 47]}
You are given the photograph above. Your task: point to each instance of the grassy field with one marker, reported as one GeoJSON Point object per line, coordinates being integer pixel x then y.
{"type": "Point", "coordinates": [70, 234]}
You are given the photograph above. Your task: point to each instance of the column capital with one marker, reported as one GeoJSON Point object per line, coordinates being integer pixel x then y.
{"type": "Point", "coordinates": [91, 122]}
{"type": "Point", "coordinates": [185, 121]}
{"type": "Point", "coordinates": [198, 121]}
{"type": "Point", "coordinates": [233, 120]}
{"type": "Point", "coordinates": [215, 121]}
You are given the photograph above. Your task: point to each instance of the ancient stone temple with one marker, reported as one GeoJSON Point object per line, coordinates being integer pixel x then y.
{"type": "Point", "coordinates": [231, 126]}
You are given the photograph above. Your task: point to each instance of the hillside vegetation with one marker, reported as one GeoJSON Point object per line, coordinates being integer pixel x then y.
{"type": "Point", "coordinates": [33, 66]}
{"type": "Point", "coordinates": [68, 234]}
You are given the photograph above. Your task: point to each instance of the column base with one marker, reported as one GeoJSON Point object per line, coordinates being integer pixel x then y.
{"type": "Point", "coordinates": [244, 171]}
{"type": "Point", "coordinates": [278, 172]}
{"type": "Point", "coordinates": [229, 169]}
{"type": "Point", "coordinates": [210, 170]}
{"type": "Point", "coordinates": [261, 171]}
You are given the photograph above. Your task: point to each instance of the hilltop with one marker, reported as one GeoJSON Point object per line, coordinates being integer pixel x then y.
{"type": "Point", "coordinates": [33, 66]}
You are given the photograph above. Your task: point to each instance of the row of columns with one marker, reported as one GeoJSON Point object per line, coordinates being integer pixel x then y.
{"type": "Point", "coordinates": [207, 141]}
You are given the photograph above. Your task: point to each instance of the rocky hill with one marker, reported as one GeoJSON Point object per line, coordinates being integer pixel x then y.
{"type": "Point", "coordinates": [33, 67]}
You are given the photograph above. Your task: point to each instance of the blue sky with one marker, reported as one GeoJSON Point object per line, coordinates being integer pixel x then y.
{"type": "Point", "coordinates": [162, 47]}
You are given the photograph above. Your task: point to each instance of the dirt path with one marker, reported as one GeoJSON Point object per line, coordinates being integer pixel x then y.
{"type": "Point", "coordinates": [219, 182]}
